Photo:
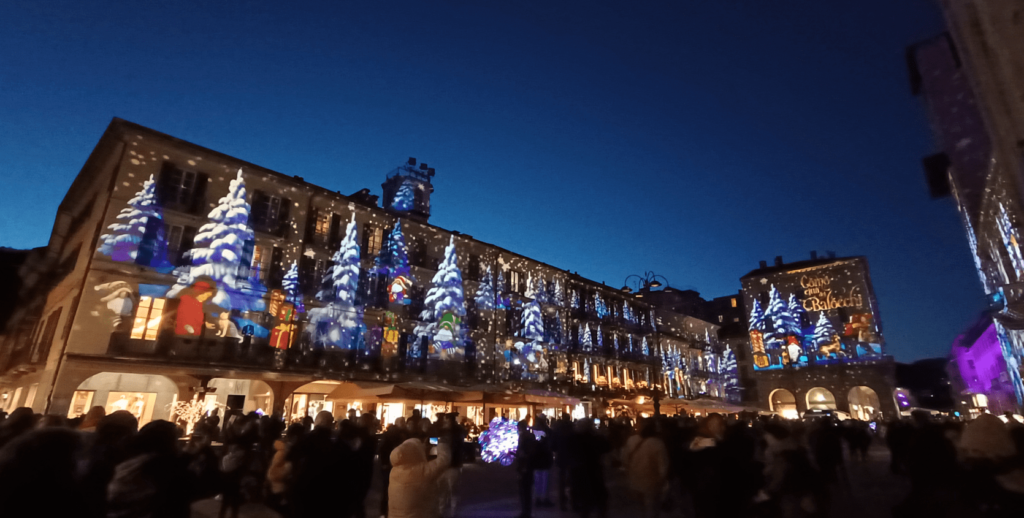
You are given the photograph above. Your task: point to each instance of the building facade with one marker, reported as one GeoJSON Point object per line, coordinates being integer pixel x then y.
{"type": "Point", "coordinates": [175, 273]}
{"type": "Point", "coordinates": [970, 80]}
{"type": "Point", "coordinates": [815, 338]}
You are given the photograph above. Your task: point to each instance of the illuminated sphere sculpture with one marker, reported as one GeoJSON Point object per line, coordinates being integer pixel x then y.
{"type": "Point", "coordinates": [500, 441]}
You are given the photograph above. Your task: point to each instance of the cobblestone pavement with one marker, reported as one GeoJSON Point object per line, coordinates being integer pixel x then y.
{"type": "Point", "coordinates": [489, 491]}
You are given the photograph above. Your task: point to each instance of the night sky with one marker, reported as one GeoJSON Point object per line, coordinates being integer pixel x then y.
{"type": "Point", "coordinates": [689, 138]}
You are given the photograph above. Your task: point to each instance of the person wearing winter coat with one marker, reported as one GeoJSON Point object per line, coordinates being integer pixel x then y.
{"type": "Point", "coordinates": [412, 488]}
{"type": "Point", "coordinates": [155, 482]}
{"type": "Point", "coordinates": [646, 460]}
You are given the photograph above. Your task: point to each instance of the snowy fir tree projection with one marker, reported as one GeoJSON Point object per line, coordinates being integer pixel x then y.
{"type": "Point", "coordinates": [340, 323]}
{"type": "Point", "coordinates": [600, 339]}
{"type": "Point", "coordinates": [217, 253]}
{"type": "Point", "coordinates": [574, 299]}
{"type": "Point", "coordinates": [644, 348]}
{"type": "Point", "coordinates": [485, 292]}
{"type": "Point", "coordinates": [531, 291]}
{"type": "Point", "coordinates": [444, 309]}
{"type": "Point", "coordinates": [290, 285]}
{"type": "Point", "coordinates": [730, 370]}
{"type": "Point", "coordinates": [825, 339]}
{"type": "Point", "coordinates": [756, 321]}
{"type": "Point", "coordinates": [541, 293]}
{"type": "Point", "coordinates": [127, 232]}
{"type": "Point", "coordinates": [533, 325]}
{"type": "Point", "coordinates": [796, 311]}
{"type": "Point", "coordinates": [404, 197]}
{"type": "Point", "coordinates": [558, 297]}
{"type": "Point", "coordinates": [627, 313]}
{"type": "Point", "coordinates": [600, 307]}
{"type": "Point", "coordinates": [500, 300]}
{"type": "Point", "coordinates": [586, 345]}
{"type": "Point", "coordinates": [778, 313]}
{"type": "Point", "coordinates": [393, 259]}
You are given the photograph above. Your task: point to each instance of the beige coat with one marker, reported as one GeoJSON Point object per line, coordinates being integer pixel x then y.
{"type": "Point", "coordinates": [646, 462]}
{"type": "Point", "coordinates": [280, 468]}
{"type": "Point", "coordinates": [413, 490]}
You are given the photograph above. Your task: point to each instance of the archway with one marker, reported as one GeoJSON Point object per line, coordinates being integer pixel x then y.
{"type": "Point", "coordinates": [820, 399]}
{"type": "Point", "coordinates": [239, 395]}
{"type": "Point", "coordinates": [147, 396]}
{"type": "Point", "coordinates": [783, 402]}
{"type": "Point", "coordinates": [864, 403]}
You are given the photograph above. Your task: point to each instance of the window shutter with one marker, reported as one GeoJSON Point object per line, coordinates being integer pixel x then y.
{"type": "Point", "coordinates": [150, 240]}
{"type": "Point", "coordinates": [168, 176]}
{"type": "Point", "coordinates": [367, 230]}
{"type": "Point", "coordinates": [311, 219]}
{"type": "Point", "coordinates": [335, 233]}
{"type": "Point", "coordinates": [188, 238]}
{"type": "Point", "coordinates": [245, 262]}
{"type": "Point", "coordinates": [258, 214]}
{"type": "Point", "coordinates": [284, 219]}
{"type": "Point", "coordinates": [276, 268]}
{"type": "Point", "coordinates": [198, 202]}
{"type": "Point", "coordinates": [307, 272]}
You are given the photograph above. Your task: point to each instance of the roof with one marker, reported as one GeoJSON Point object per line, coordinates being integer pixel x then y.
{"type": "Point", "coordinates": [798, 265]}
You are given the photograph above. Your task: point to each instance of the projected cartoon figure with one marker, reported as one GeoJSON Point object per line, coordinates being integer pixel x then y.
{"type": "Point", "coordinates": [447, 337]}
{"type": "Point", "coordinates": [835, 347]}
{"type": "Point", "coordinates": [757, 346]}
{"type": "Point", "coordinates": [389, 345]}
{"type": "Point", "coordinates": [398, 291]}
{"type": "Point", "coordinates": [281, 335]}
{"type": "Point", "coordinates": [120, 300]}
{"type": "Point", "coordinates": [793, 349]}
{"type": "Point", "coordinates": [860, 327]}
{"type": "Point", "coordinates": [190, 317]}
{"type": "Point", "coordinates": [225, 327]}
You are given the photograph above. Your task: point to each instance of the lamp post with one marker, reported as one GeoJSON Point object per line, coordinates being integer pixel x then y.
{"type": "Point", "coordinates": [644, 283]}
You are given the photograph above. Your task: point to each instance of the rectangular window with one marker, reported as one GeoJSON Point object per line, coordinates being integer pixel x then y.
{"type": "Point", "coordinates": [42, 349]}
{"type": "Point", "coordinates": [514, 277]}
{"type": "Point", "coordinates": [147, 318]}
{"type": "Point", "coordinates": [268, 212]}
{"type": "Point", "coordinates": [734, 302]}
{"type": "Point", "coordinates": [174, 238]}
{"type": "Point", "coordinates": [376, 238]}
{"type": "Point", "coordinates": [179, 240]}
{"type": "Point", "coordinates": [323, 224]}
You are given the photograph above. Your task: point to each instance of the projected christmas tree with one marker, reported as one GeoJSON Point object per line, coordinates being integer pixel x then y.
{"type": "Point", "coordinates": [533, 326]}
{"type": "Point", "coordinates": [340, 323]}
{"type": "Point", "coordinates": [290, 285]}
{"type": "Point", "coordinates": [599, 306]}
{"type": "Point", "coordinates": [404, 197]}
{"type": "Point", "coordinates": [127, 232]}
{"type": "Point", "coordinates": [217, 252]}
{"type": "Point", "coordinates": [586, 344]}
{"type": "Point", "coordinates": [825, 338]}
{"type": "Point", "coordinates": [393, 259]}
{"type": "Point", "coordinates": [795, 311]}
{"type": "Point", "coordinates": [485, 292]}
{"type": "Point", "coordinates": [444, 307]}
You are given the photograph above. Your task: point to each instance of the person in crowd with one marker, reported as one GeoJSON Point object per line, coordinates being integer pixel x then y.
{"type": "Point", "coordinates": [203, 462]}
{"type": "Point", "coordinates": [20, 421]}
{"type": "Point", "coordinates": [993, 481]}
{"type": "Point", "coordinates": [827, 446]}
{"type": "Point", "coordinates": [450, 478]}
{"type": "Point", "coordinates": [360, 444]}
{"type": "Point", "coordinates": [412, 489]}
{"type": "Point", "coordinates": [280, 469]}
{"type": "Point", "coordinates": [232, 470]}
{"type": "Point", "coordinates": [645, 458]}
{"type": "Point", "coordinates": [396, 434]}
{"type": "Point", "coordinates": [585, 450]}
{"type": "Point", "coordinates": [542, 462]}
{"type": "Point", "coordinates": [561, 436]}
{"type": "Point", "coordinates": [791, 484]}
{"type": "Point", "coordinates": [155, 480]}
{"type": "Point", "coordinates": [316, 471]}
{"type": "Point", "coordinates": [931, 463]}
{"type": "Point", "coordinates": [92, 418]}
{"type": "Point", "coordinates": [524, 462]}
{"type": "Point", "coordinates": [704, 462]}
{"type": "Point", "coordinates": [105, 449]}
{"type": "Point", "coordinates": [38, 474]}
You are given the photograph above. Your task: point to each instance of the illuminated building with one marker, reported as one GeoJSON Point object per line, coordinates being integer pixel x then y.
{"type": "Point", "coordinates": [175, 272]}
{"type": "Point", "coordinates": [977, 370]}
{"type": "Point", "coordinates": [815, 338]}
{"type": "Point", "coordinates": [971, 81]}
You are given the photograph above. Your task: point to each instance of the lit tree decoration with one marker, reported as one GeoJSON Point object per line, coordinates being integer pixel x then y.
{"type": "Point", "coordinates": [644, 348]}
{"type": "Point", "coordinates": [599, 306]}
{"type": "Point", "coordinates": [444, 297]}
{"type": "Point", "coordinates": [732, 382]}
{"type": "Point", "coordinates": [499, 290]}
{"type": "Point", "coordinates": [575, 299]}
{"type": "Point", "coordinates": [585, 341]}
{"type": "Point", "coordinates": [393, 259]}
{"type": "Point", "coordinates": [485, 292]}
{"type": "Point", "coordinates": [823, 331]}
{"type": "Point", "coordinates": [533, 325]}
{"type": "Point", "coordinates": [627, 313]}
{"type": "Point", "coordinates": [559, 297]}
{"type": "Point", "coordinates": [404, 196]}
{"type": "Point", "coordinates": [342, 319]}
{"type": "Point", "coordinates": [586, 369]}
{"type": "Point", "coordinates": [778, 311]}
{"type": "Point", "coordinates": [217, 251]}
{"type": "Point", "coordinates": [531, 291]}
{"type": "Point", "coordinates": [122, 244]}
{"type": "Point", "coordinates": [541, 293]}
{"type": "Point", "coordinates": [795, 310]}
{"type": "Point", "coordinates": [290, 285]}
{"type": "Point", "coordinates": [631, 344]}
{"type": "Point", "coordinates": [192, 411]}
{"type": "Point", "coordinates": [600, 339]}
{"type": "Point", "coordinates": [500, 441]}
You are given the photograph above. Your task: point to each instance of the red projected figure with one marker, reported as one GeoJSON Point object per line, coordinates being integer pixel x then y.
{"type": "Point", "coordinates": [190, 317]}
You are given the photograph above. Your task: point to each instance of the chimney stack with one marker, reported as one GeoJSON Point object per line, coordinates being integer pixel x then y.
{"type": "Point", "coordinates": [831, 254]}
{"type": "Point", "coordinates": [778, 260]}
{"type": "Point", "coordinates": [764, 264]}
{"type": "Point", "coordinates": [814, 254]}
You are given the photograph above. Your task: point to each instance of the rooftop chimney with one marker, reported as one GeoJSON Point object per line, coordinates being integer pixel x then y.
{"type": "Point", "coordinates": [412, 161]}
{"type": "Point", "coordinates": [778, 260]}
{"type": "Point", "coordinates": [764, 264]}
{"type": "Point", "coordinates": [814, 254]}
{"type": "Point", "coordinates": [831, 254]}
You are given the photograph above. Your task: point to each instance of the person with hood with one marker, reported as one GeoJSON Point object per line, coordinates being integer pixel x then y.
{"type": "Point", "coordinates": [317, 470]}
{"type": "Point", "coordinates": [412, 490]}
{"type": "Point", "coordinates": [791, 483]}
{"type": "Point", "coordinates": [646, 460]}
{"type": "Point", "coordinates": [280, 469]}
{"type": "Point", "coordinates": [395, 435]}
{"type": "Point", "coordinates": [994, 475]}
{"type": "Point", "coordinates": [155, 482]}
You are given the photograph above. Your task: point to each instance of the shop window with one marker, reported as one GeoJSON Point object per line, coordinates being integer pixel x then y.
{"type": "Point", "coordinates": [81, 402]}
{"type": "Point", "coordinates": [147, 318]}
{"type": "Point", "coordinates": [139, 404]}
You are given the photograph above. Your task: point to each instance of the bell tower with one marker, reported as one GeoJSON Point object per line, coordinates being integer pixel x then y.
{"type": "Point", "coordinates": [407, 190]}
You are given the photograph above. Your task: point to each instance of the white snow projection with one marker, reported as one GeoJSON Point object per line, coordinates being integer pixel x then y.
{"type": "Point", "coordinates": [122, 244]}
{"type": "Point", "coordinates": [444, 307]}
{"type": "Point", "coordinates": [340, 323]}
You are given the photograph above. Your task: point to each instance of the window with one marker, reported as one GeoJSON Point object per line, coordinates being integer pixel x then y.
{"type": "Point", "coordinates": [323, 224]}
{"type": "Point", "coordinates": [256, 269]}
{"type": "Point", "coordinates": [147, 318]}
{"type": "Point", "coordinates": [42, 349]}
{"type": "Point", "coordinates": [514, 278]}
{"type": "Point", "coordinates": [179, 240]}
{"type": "Point", "coordinates": [174, 237]}
{"type": "Point", "coordinates": [269, 213]}
{"type": "Point", "coordinates": [270, 208]}
{"type": "Point", "coordinates": [372, 238]}
{"type": "Point", "coordinates": [734, 302]}
{"type": "Point", "coordinates": [720, 318]}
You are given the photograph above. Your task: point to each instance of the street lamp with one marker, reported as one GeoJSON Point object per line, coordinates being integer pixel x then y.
{"type": "Point", "coordinates": [644, 283]}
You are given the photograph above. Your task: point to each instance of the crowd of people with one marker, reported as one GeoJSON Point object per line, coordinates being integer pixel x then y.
{"type": "Point", "coordinates": [715, 466]}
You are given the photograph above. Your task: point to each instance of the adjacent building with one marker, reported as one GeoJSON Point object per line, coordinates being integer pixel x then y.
{"type": "Point", "coordinates": [178, 279]}
{"type": "Point", "coordinates": [815, 338]}
{"type": "Point", "coordinates": [972, 83]}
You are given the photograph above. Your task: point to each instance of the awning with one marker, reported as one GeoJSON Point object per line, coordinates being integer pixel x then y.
{"type": "Point", "coordinates": [412, 390]}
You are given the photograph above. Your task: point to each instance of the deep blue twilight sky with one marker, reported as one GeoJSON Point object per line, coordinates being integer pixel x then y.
{"type": "Point", "coordinates": [690, 138]}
